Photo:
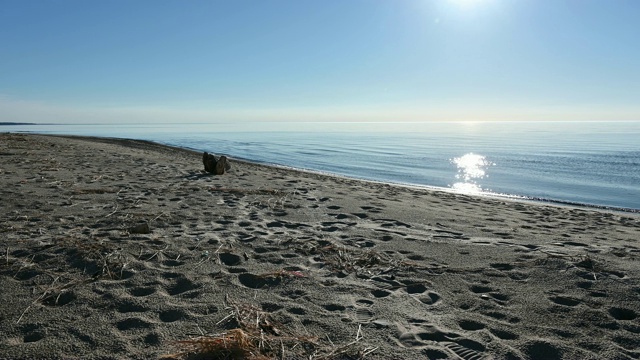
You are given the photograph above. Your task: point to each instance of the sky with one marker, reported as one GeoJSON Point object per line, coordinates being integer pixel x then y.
{"type": "Point", "coordinates": [160, 61]}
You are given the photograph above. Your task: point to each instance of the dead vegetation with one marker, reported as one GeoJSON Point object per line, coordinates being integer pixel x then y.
{"type": "Point", "coordinates": [55, 269]}
{"type": "Point", "coordinates": [256, 335]}
{"type": "Point", "coordinates": [341, 258]}
{"type": "Point", "coordinates": [282, 274]}
{"type": "Point", "coordinates": [95, 257]}
{"type": "Point", "coordinates": [248, 191]}
{"type": "Point", "coordinates": [56, 293]}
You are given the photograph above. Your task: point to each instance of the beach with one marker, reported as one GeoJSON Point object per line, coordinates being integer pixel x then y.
{"type": "Point", "coordinates": [127, 249]}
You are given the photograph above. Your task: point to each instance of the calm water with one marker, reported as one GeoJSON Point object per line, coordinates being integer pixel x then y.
{"type": "Point", "coordinates": [584, 163]}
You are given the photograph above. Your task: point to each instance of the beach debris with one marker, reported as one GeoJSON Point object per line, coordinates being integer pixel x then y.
{"type": "Point", "coordinates": [278, 274]}
{"type": "Point", "coordinates": [256, 334]}
{"type": "Point", "coordinates": [215, 166]}
{"type": "Point", "coordinates": [221, 165]}
{"type": "Point", "coordinates": [233, 344]}
{"type": "Point", "coordinates": [239, 191]}
{"type": "Point", "coordinates": [209, 162]}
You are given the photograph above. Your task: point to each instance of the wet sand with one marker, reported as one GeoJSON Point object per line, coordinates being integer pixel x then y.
{"type": "Point", "coordinates": [127, 249]}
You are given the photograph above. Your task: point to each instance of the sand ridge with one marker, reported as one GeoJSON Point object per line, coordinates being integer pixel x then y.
{"type": "Point", "coordinates": [119, 248]}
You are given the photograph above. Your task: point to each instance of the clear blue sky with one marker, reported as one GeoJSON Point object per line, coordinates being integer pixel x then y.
{"type": "Point", "coordinates": [322, 60]}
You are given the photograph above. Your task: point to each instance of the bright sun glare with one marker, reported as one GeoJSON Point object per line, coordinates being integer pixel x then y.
{"type": "Point", "coordinates": [467, 4]}
{"type": "Point", "coordinates": [470, 168]}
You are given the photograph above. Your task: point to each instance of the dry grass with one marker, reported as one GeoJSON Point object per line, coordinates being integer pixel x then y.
{"type": "Point", "coordinates": [351, 260]}
{"type": "Point", "coordinates": [232, 345]}
{"type": "Point", "coordinates": [340, 258]}
{"type": "Point", "coordinates": [249, 191]}
{"type": "Point", "coordinates": [282, 274]}
{"type": "Point", "coordinates": [257, 336]}
{"type": "Point", "coordinates": [51, 295]}
{"type": "Point", "coordinates": [50, 268]}
{"type": "Point", "coordinates": [95, 258]}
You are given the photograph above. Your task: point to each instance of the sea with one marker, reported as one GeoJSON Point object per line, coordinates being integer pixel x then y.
{"type": "Point", "coordinates": [593, 164]}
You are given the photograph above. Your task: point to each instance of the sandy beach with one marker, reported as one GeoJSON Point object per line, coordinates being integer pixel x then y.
{"type": "Point", "coordinates": [124, 249]}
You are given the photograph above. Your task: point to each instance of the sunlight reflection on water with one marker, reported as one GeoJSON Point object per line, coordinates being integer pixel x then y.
{"type": "Point", "coordinates": [471, 167]}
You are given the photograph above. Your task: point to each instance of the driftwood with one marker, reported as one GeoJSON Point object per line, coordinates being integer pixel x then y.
{"type": "Point", "coordinates": [215, 166]}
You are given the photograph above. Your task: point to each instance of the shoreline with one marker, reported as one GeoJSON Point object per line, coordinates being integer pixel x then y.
{"type": "Point", "coordinates": [498, 196]}
{"type": "Point", "coordinates": [547, 200]}
{"type": "Point", "coordinates": [119, 248]}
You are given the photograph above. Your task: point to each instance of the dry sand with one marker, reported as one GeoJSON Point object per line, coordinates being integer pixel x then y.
{"type": "Point", "coordinates": [312, 265]}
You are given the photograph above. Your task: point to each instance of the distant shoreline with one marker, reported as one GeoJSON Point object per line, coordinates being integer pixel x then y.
{"type": "Point", "coordinates": [16, 123]}
{"type": "Point", "coordinates": [518, 198]}
{"type": "Point", "coordinates": [505, 196]}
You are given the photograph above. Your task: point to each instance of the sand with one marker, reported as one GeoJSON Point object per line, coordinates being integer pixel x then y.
{"type": "Point", "coordinates": [127, 249]}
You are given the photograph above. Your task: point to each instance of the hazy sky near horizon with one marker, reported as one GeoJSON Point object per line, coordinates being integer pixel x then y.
{"type": "Point", "coordinates": [326, 60]}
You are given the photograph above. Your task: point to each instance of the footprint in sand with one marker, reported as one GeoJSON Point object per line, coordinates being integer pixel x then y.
{"type": "Point", "coordinates": [565, 301]}
{"type": "Point", "coordinates": [341, 216]}
{"type": "Point", "coordinates": [131, 305]}
{"type": "Point", "coordinates": [391, 223]}
{"type": "Point", "coordinates": [380, 293]}
{"type": "Point", "coordinates": [364, 303]}
{"type": "Point", "coordinates": [624, 314]}
{"type": "Point", "coordinates": [172, 315]}
{"type": "Point", "coordinates": [415, 257]}
{"type": "Point", "coordinates": [133, 323]}
{"type": "Point", "coordinates": [253, 281]}
{"type": "Point", "coordinates": [295, 294]}
{"type": "Point", "coordinates": [172, 263]}
{"type": "Point", "coordinates": [497, 315]}
{"type": "Point", "coordinates": [363, 312]}
{"type": "Point", "coordinates": [152, 339]}
{"type": "Point", "coordinates": [297, 311]}
{"type": "Point", "coordinates": [503, 334]}
{"type": "Point", "coordinates": [371, 209]}
{"type": "Point", "coordinates": [61, 299]}
{"type": "Point", "coordinates": [418, 291]}
{"type": "Point", "coordinates": [244, 224]}
{"type": "Point", "coordinates": [430, 298]}
{"type": "Point", "coordinates": [502, 266]}
{"type": "Point", "coordinates": [471, 325]}
{"type": "Point", "coordinates": [538, 349]}
{"type": "Point", "coordinates": [365, 244]}
{"type": "Point", "coordinates": [142, 291]}
{"type": "Point", "coordinates": [34, 336]}
{"type": "Point", "coordinates": [480, 289]}
{"type": "Point", "coordinates": [489, 293]}
{"type": "Point", "coordinates": [447, 344]}
{"type": "Point", "coordinates": [467, 349]}
{"type": "Point", "coordinates": [332, 226]}
{"type": "Point", "coordinates": [181, 286]}
{"type": "Point", "coordinates": [230, 259]}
